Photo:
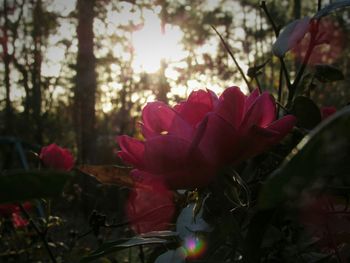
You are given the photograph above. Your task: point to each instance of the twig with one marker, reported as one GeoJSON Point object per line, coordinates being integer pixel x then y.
{"type": "Point", "coordinates": [258, 83]}
{"type": "Point", "coordinates": [279, 95]}
{"type": "Point", "coordinates": [319, 5]}
{"type": "Point", "coordinates": [234, 59]}
{"type": "Point", "coordinates": [277, 32]}
{"type": "Point", "coordinates": [142, 254]}
{"type": "Point", "coordinates": [313, 34]}
{"type": "Point", "coordinates": [40, 233]}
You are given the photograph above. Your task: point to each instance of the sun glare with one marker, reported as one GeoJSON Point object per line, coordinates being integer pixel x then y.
{"type": "Point", "coordinates": [151, 45]}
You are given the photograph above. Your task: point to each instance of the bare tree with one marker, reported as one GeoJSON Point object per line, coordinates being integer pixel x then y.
{"type": "Point", "coordinates": [85, 88]}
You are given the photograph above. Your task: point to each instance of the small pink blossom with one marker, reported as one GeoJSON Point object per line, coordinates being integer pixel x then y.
{"type": "Point", "coordinates": [18, 221]}
{"type": "Point", "coordinates": [56, 157]}
{"type": "Point", "coordinates": [13, 210]}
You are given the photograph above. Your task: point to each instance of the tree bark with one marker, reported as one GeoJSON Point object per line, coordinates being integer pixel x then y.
{"type": "Point", "coordinates": [85, 88]}
{"type": "Point", "coordinates": [7, 59]}
{"type": "Point", "coordinates": [36, 70]}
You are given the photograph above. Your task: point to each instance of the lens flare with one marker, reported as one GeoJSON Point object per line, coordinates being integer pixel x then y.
{"type": "Point", "coordinates": [194, 246]}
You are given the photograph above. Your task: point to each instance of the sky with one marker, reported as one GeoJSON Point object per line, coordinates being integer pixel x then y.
{"type": "Point", "coordinates": [150, 44]}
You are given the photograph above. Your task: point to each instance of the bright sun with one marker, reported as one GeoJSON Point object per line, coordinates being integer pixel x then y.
{"type": "Point", "coordinates": [151, 45]}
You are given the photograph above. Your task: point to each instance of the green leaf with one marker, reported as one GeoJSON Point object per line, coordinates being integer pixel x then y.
{"type": "Point", "coordinates": [322, 155]}
{"type": "Point", "coordinates": [114, 246]}
{"type": "Point", "coordinates": [331, 7]}
{"type": "Point", "coordinates": [328, 73]}
{"type": "Point", "coordinates": [290, 36]}
{"type": "Point", "coordinates": [161, 234]}
{"type": "Point", "coordinates": [307, 112]}
{"type": "Point", "coordinates": [23, 185]}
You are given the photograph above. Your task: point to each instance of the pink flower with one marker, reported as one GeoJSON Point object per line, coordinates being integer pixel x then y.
{"type": "Point", "coordinates": [18, 221]}
{"type": "Point", "coordinates": [53, 156]}
{"type": "Point", "coordinates": [327, 112]}
{"type": "Point", "coordinates": [14, 211]}
{"type": "Point", "coordinates": [248, 124]}
{"type": "Point", "coordinates": [187, 144]}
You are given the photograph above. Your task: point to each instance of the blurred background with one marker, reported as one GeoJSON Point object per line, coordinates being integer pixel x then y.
{"type": "Point", "coordinates": [78, 72]}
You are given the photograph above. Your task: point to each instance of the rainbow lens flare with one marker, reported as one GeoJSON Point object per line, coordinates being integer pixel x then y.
{"type": "Point", "coordinates": [194, 246]}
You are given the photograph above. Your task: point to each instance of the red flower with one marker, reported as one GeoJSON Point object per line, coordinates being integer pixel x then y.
{"type": "Point", "coordinates": [185, 145]}
{"type": "Point", "coordinates": [53, 156]}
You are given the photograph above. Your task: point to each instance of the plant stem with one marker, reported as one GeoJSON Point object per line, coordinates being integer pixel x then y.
{"type": "Point", "coordinates": [40, 233]}
{"type": "Point", "coordinates": [234, 59]}
{"type": "Point", "coordinates": [142, 254]}
{"type": "Point", "coordinates": [279, 95]}
{"type": "Point", "coordinates": [313, 34]}
{"type": "Point", "coordinates": [277, 32]}
{"type": "Point", "coordinates": [258, 83]}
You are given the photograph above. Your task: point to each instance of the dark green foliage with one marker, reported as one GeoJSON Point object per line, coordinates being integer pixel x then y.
{"type": "Point", "coordinates": [25, 185]}
{"type": "Point", "coordinates": [322, 155]}
{"type": "Point", "coordinates": [307, 113]}
{"type": "Point", "coordinates": [328, 73]}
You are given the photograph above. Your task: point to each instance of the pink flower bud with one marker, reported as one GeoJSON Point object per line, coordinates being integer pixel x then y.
{"type": "Point", "coordinates": [55, 157]}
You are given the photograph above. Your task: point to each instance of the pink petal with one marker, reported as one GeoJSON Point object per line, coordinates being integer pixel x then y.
{"type": "Point", "coordinates": [68, 160]}
{"type": "Point", "coordinates": [231, 106]}
{"type": "Point", "coordinates": [159, 118]}
{"type": "Point", "coordinates": [150, 207]}
{"type": "Point", "coordinates": [218, 140]}
{"type": "Point", "coordinates": [165, 153]}
{"type": "Point", "coordinates": [283, 126]}
{"type": "Point", "coordinates": [261, 113]}
{"type": "Point", "coordinates": [132, 150]}
{"type": "Point", "coordinates": [198, 104]}
{"type": "Point", "coordinates": [173, 160]}
{"type": "Point", "coordinates": [251, 99]}
{"type": "Point", "coordinates": [257, 140]}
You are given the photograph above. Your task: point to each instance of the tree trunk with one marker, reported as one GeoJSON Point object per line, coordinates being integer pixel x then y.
{"type": "Point", "coordinates": [85, 88]}
{"type": "Point", "coordinates": [36, 70]}
{"type": "Point", "coordinates": [7, 59]}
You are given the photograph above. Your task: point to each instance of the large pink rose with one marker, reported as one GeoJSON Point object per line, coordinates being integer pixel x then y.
{"type": "Point", "coordinates": [53, 156]}
{"type": "Point", "coordinates": [184, 146]}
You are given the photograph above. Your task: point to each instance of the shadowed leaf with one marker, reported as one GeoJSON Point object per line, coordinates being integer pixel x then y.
{"type": "Point", "coordinates": [114, 246]}
{"type": "Point", "coordinates": [24, 185]}
{"type": "Point", "coordinates": [328, 73]}
{"type": "Point", "coordinates": [307, 112]}
{"type": "Point", "coordinates": [109, 174]}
